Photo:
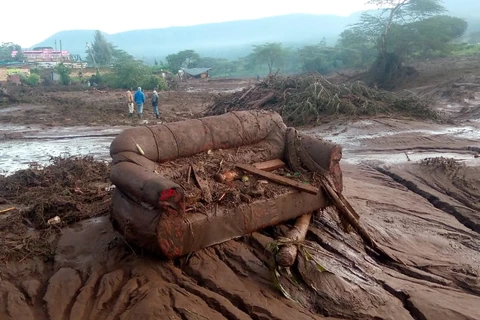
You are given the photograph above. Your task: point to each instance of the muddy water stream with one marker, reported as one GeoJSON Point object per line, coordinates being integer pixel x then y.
{"type": "Point", "coordinates": [21, 145]}
{"type": "Point", "coordinates": [394, 142]}
{"type": "Point", "coordinates": [386, 141]}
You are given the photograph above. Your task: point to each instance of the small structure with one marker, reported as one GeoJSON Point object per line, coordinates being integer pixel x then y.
{"type": "Point", "coordinates": [54, 77]}
{"type": "Point", "coordinates": [196, 72]}
{"type": "Point", "coordinates": [15, 79]}
{"type": "Point", "coordinates": [8, 68]}
{"type": "Point", "coordinates": [45, 54]}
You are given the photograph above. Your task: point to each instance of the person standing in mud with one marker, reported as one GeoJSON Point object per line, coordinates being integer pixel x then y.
{"type": "Point", "coordinates": [139, 98]}
{"type": "Point", "coordinates": [155, 99]}
{"type": "Point", "coordinates": [130, 103]}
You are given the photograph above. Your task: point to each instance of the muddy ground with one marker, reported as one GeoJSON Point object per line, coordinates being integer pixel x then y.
{"type": "Point", "coordinates": [424, 211]}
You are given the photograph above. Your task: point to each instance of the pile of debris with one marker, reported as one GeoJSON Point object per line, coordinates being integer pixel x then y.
{"type": "Point", "coordinates": [445, 164]}
{"type": "Point", "coordinates": [309, 99]}
{"type": "Point", "coordinates": [6, 97]}
{"type": "Point", "coordinates": [39, 200]}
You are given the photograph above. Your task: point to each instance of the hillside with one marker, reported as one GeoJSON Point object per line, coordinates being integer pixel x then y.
{"type": "Point", "coordinates": [234, 39]}
{"type": "Point", "coordinates": [228, 39]}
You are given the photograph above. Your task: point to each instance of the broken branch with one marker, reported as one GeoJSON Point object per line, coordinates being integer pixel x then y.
{"type": "Point", "coordinates": [287, 254]}
{"type": "Point", "coordinates": [279, 179]}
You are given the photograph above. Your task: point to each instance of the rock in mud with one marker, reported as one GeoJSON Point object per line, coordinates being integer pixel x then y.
{"type": "Point", "coordinates": [13, 304]}
{"type": "Point", "coordinates": [31, 288]}
{"type": "Point", "coordinates": [167, 301]}
{"type": "Point", "coordinates": [61, 290]}
{"type": "Point", "coordinates": [85, 299]}
{"type": "Point", "coordinates": [109, 285]}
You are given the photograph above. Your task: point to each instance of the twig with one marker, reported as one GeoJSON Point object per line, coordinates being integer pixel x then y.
{"type": "Point", "coordinates": [7, 210]}
{"type": "Point", "coordinates": [219, 166]}
{"type": "Point", "coordinates": [189, 173]}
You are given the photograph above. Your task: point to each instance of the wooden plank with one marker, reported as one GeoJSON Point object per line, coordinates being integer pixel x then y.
{"type": "Point", "coordinates": [279, 179]}
{"type": "Point", "coordinates": [269, 165]}
{"type": "Point", "coordinates": [200, 177]}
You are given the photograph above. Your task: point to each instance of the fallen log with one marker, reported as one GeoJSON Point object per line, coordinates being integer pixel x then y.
{"type": "Point", "coordinates": [261, 102]}
{"type": "Point", "coordinates": [287, 254]}
{"type": "Point", "coordinates": [247, 92]}
{"type": "Point", "coordinates": [279, 179]}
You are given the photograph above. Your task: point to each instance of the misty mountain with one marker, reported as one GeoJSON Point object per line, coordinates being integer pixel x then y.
{"type": "Point", "coordinates": [227, 39]}
{"type": "Point", "coordinates": [235, 39]}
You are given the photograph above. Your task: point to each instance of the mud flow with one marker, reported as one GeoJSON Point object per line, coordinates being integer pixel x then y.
{"type": "Point", "coordinates": [414, 183]}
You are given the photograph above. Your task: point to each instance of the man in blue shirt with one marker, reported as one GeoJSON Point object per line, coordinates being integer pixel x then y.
{"type": "Point", "coordinates": [139, 98]}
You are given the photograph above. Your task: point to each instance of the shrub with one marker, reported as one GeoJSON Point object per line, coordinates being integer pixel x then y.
{"type": "Point", "coordinates": [32, 80]}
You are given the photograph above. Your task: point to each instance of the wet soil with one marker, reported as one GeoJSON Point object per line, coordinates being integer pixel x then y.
{"type": "Point", "coordinates": [95, 275]}
{"type": "Point", "coordinates": [54, 106]}
{"type": "Point", "coordinates": [425, 213]}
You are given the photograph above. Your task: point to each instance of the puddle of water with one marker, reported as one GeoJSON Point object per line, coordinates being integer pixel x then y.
{"type": "Point", "coordinates": [18, 154]}
{"type": "Point", "coordinates": [355, 139]}
{"type": "Point", "coordinates": [39, 144]}
{"type": "Point", "coordinates": [39, 132]}
{"type": "Point", "coordinates": [9, 109]}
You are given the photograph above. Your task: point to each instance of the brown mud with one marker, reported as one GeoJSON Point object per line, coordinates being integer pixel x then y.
{"type": "Point", "coordinates": [425, 213]}
{"type": "Point", "coordinates": [97, 107]}
{"type": "Point", "coordinates": [94, 274]}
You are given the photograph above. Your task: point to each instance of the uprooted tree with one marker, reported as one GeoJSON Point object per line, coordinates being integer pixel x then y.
{"type": "Point", "coordinates": [404, 28]}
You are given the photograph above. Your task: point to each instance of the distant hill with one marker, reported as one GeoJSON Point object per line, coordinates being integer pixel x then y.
{"type": "Point", "coordinates": [227, 39]}
{"type": "Point", "coordinates": [234, 39]}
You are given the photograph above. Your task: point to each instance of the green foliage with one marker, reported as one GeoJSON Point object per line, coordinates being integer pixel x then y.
{"type": "Point", "coordinates": [465, 49]}
{"type": "Point", "coordinates": [64, 73]}
{"type": "Point", "coordinates": [32, 80]}
{"type": "Point", "coordinates": [100, 51]}
{"type": "Point", "coordinates": [400, 29]}
{"type": "Point", "coordinates": [128, 73]}
{"type": "Point", "coordinates": [426, 38]}
{"type": "Point", "coordinates": [182, 59]}
{"type": "Point", "coordinates": [396, 18]}
{"type": "Point", "coordinates": [162, 84]}
{"type": "Point", "coordinates": [270, 54]}
{"type": "Point", "coordinates": [6, 49]}
{"type": "Point", "coordinates": [220, 66]}
{"type": "Point", "coordinates": [319, 58]}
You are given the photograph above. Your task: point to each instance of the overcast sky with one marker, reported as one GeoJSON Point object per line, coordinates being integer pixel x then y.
{"type": "Point", "coordinates": [28, 22]}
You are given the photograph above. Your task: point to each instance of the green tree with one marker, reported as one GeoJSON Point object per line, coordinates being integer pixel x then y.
{"type": "Point", "coordinates": [32, 80]}
{"type": "Point", "coordinates": [270, 54]}
{"type": "Point", "coordinates": [64, 73]}
{"type": "Point", "coordinates": [356, 49]}
{"type": "Point", "coordinates": [319, 58]}
{"type": "Point", "coordinates": [100, 50]}
{"type": "Point", "coordinates": [401, 28]}
{"type": "Point", "coordinates": [129, 73]}
{"type": "Point", "coordinates": [182, 59]}
{"type": "Point", "coordinates": [6, 49]}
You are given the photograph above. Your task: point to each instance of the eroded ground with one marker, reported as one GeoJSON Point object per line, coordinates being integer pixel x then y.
{"type": "Point", "coordinates": [424, 212]}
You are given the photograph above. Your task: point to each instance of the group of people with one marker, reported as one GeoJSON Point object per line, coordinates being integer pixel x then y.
{"type": "Point", "coordinates": [138, 98]}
